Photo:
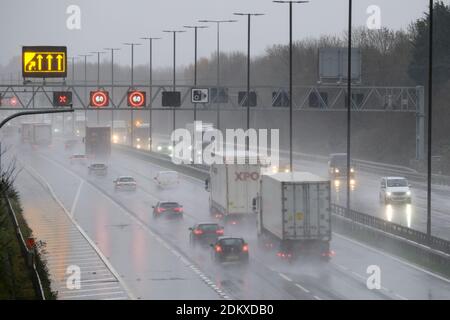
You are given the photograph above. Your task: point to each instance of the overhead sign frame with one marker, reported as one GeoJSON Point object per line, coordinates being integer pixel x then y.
{"type": "Point", "coordinates": [44, 61]}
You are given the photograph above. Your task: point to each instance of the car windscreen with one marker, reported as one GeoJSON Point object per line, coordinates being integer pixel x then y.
{"type": "Point", "coordinates": [397, 183]}
{"type": "Point", "coordinates": [339, 161]}
{"type": "Point", "coordinates": [127, 179]}
{"type": "Point", "coordinates": [169, 205]}
{"type": "Point", "coordinates": [208, 227]}
{"type": "Point", "coordinates": [231, 242]}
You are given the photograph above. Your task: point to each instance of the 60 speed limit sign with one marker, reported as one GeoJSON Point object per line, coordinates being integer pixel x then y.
{"type": "Point", "coordinates": [136, 99]}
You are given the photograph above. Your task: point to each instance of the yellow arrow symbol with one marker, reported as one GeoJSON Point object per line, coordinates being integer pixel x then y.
{"type": "Point", "coordinates": [31, 65]}
{"type": "Point", "coordinates": [49, 62]}
{"type": "Point", "coordinates": [59, 58]}
{"type": "Point", "coordinates": [39, 57]}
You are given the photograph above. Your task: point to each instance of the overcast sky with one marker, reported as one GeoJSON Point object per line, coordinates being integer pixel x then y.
{"type": "Point", "coordinates": [106, 23]}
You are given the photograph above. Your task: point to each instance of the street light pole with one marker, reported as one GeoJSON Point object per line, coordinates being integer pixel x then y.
{"type": "Point", "coordinates": [112, 86]}
{"type": "Point", "coordinates": [132, 44]}
{"type": "Point", "coordinates": [290, 81]}
{"type": "Point", "coordinates": [85, 86]}
{"type": "Point", "coordinates": [98, 76]}
{"type": "Point", "coordinates": [249, 15]}
{"type": "Point", "coordinates": [430, 115]}
{"type": "Point", "coordinates": [150, 91]}
{"type": "Point", "coordinates": [349, 100]}
{"type": "Point", "coordinates": [218, 22]}
{"type": "Point", "coordinates": [195, 61]}
{"type": "Point", "coordinates": [174, 32]}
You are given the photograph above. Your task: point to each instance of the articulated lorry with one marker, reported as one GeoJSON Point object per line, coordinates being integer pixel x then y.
{"type": "Point", "coordinates": [36, 133]}
{"type": "Point", "coordinates": [98, 142]}
{"type": "Point", "coordinates": [233, 186]}
{"type": "Point", "coordinates": [293, 214]}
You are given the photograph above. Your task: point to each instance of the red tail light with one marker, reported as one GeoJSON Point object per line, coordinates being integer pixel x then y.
{"type": "Point", "coordinates": [159, 210]}
{"type": "Point", "coordinates": [245, 248]}
{"type": "Point", "coordinates": [218, 249]}
{"type": "Point", "coordinates": [219, 231]}
{"type": "Point", "coordinates": [233, 222]}
{"type": "Point", "coordinates": [180, 209]}
{"type": "Point", "coordinates": [198, 231]}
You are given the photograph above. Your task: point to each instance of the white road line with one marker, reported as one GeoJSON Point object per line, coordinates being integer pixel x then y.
{"type": "Point", "coordinates": [86, 290]}
{"type": "Point", "coordinates": [101, 256]}
{"type": "Point", "coordinates": [285, 277]}
{"type": "Point", "coordinates": [140, 223]}
{"type": "Point", "coordinates": [393, 258]}
{"type": "Point", "coordinates": [302, 288]}
{"type": "Point", "coordinates": [95, 294]}
{"type": "Point", "coordinates": [317, 298]}
{"type": "Point", "coordinates": [399, 296]}
{"type": "Point", "coordinates": [77, 195]}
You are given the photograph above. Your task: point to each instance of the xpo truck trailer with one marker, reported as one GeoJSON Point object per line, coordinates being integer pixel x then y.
{"type": "Point", "coordinates": [233, 186]}
{"type": "Point", "coordinates": [42, 134]}
{"type": "Point", "coordinates": [98, 142]}
{"type": "Point", "coordinates": [294, 214]}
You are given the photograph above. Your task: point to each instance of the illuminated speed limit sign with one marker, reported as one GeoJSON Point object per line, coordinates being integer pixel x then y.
{"type": "Point", "coordinates": [136, 99]}
{"type": "Point", "coordinates": [99, 99]}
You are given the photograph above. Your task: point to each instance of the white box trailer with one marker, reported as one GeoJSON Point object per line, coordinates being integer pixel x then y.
{"type": "Point", "coordinates": [42, 134]}
{"type": "Point", "coordinates": [294, 213]}
{"type": "Point", "coordinates": [233, 187]}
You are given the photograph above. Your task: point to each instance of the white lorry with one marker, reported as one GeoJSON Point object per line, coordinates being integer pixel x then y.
{"type": "Point", "coordinates": [293, 214]}
{"type": "Point", "coordinates": [233, 186]}
{"type": "Point", "coordinates": [42, 134]}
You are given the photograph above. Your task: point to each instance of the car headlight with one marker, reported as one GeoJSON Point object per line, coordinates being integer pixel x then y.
{"type": "Point", "coordinates": [408, 193]}
{"type": "Point", "coordinates": [336, 170]}
{"type": "Point", "coordinates": [388, 193]}
{"type": "Point", "coordinates": [159, 148]}
{"type": "Point", "coordinates": [352, 170]}
{"type": "Point", "coordinates": [170, 148]}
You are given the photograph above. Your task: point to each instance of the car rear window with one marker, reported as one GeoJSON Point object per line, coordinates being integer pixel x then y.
{"type": "Point", "coordinates": [98, 165]}
{"type": "Point", "coordinates": [208, 227]}
{"type": "Point", "coordinates": [126, 179]}
{"type": "Point", "coordinates": [169, 204]}
{"type": "Point", "coordinates": [231, 242]}
{"type": "Point", "coordinates": [79, 156]}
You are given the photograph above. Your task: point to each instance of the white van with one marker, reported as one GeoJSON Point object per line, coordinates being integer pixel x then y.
{"type": "Point", "coordinates": [166, 178]}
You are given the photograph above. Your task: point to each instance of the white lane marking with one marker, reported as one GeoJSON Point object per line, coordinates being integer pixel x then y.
{"type": "Point", "coordinates": [400, 297]}
{"type": "Point", "coordinates": [302, 288]}
{"type": "Point", "coordinates": [75, 200]}
{"type": "Point", "coordinates": [94, 295]}
{"type": "Point", "coordinates": [138, 221]}
{"type": "Point", "coordinates": [285, 277]}
{"type": "Point", "coordinates": [65, 292]}
{"type": "Point", "coordinates": [317, 298]}
{"type": "Point", "coordinates": [393, 258]}
{"type": "Point", "coordinates": [94, 246]}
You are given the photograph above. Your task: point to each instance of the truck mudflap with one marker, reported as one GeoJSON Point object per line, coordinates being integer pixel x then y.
{"type": "Point", "coordinates": [291, 250]}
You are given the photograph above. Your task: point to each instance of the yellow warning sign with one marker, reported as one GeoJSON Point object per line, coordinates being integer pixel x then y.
{"type": "Point", "coordinates": [43, 62]}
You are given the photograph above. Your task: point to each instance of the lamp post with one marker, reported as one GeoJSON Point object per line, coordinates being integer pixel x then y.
{"type": "Point", "coordinates": [349, 100]}
{"type": "Point", "coordinates": [249, 15]}
{"type": "Point", "coordinates": [218, 23]}
{"type": "Point", "coordinates": [132, 44]}
{"type": "Point", "coordinates": [290, 80]}
{"type": "Point", "coordinates": [150, 91]}
{"type": "Point", "coordinates": [174, 32]}
{"type": "Point", "coordinates": [85, 86]}
{"type": "Point", "coordinates": [98, 75]}
{"type": "Point", "coordinates": [112, 86]}
{"type": "Point", "coordinates": [195, 60]}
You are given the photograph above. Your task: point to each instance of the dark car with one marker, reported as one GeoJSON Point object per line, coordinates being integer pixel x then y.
{"type": "Point", "coordinates": [230, 249]}
{"type": "Point", "coordinates": [99, 169]}
{"type": "Point", "coordinates": [337, 166]}
{"type": "Point", "coordinates": [168, 209]}
{"type": "Point", "coordinates": [205, 233]}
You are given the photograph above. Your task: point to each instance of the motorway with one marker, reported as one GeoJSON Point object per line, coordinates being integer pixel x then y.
{"type": "Point", "coordinates": [365, 198]}
{"type": "Point", "coordinates": [153, 259]}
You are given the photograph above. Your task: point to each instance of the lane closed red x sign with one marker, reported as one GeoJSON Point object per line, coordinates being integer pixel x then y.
{"type": "Point", "coordinates": [62, 98]}
{"type": "Point", "coordinates": [99, 99]}
{"type": "Point", "coordinates": [136, 99]}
